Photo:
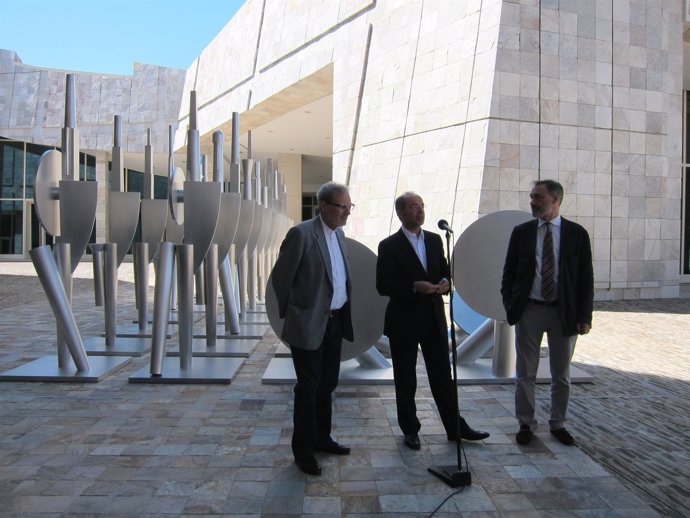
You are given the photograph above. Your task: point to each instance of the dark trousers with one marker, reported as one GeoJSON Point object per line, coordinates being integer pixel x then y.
{"type": "Point", "coordinates": [404, 356]}
{"type": "Point", "coordinates": [317, 377]}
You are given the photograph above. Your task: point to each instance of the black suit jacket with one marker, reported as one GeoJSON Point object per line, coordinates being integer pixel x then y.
{"type": "Point", "coordinates": [410, 314]}
{"type": "Point", "coordinates": [575, 277]}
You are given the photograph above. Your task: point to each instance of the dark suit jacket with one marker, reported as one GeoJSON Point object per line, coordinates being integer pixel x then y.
{"type": "Point", "coordinates": [397, 268]}
{"type": "Point", "coordinates": [575, 277]}
{"type": "Point", "coordinates": [303, 282]}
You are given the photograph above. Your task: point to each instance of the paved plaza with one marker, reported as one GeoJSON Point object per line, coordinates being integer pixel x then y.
{"type": "Point", "coordinates": [115, 448]}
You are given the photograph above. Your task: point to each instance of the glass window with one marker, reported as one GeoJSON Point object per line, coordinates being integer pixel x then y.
{"type": "Point", "coordinates": [685, 264]}
{"type": "Point", "coordinates": [309, 206]}
{"type": "Point", "coordinates": [160, 187]}
{"type": "Point", "coordinates": [87, 167]}
{"type": "Point", "coordinates": [686, 149]}
{"type": "Point", "coordinates": [686, 225]}
{"type": "Point", "coordinates": [11, 169]}
{"type": "Point", "coordinates": [135, 181]}
{"type": "Point", "coordinates": [11, 227]}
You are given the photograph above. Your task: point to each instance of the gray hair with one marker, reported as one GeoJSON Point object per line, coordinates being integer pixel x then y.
{"type": "Point", "coordinates": [327, 190]}
{"type": "Point", "coordinates": [552, 187]}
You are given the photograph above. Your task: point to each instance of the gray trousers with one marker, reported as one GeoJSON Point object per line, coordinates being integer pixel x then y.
{"type": "Point", "coordinates": [529, 331]}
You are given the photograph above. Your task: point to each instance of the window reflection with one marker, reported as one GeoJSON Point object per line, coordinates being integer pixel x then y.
{"type": "Point", "coordinates": [18, 165]}
{"type": "Point", "coordinates": [11, 227]}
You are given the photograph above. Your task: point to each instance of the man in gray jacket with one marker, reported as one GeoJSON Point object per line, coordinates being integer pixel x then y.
{"type": "Point", "coordinates": [311, 279]}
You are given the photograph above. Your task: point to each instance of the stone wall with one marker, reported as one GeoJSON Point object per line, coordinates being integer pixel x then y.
{"type": "Point", "coordinates": [32, 105]}
{"type": "Point", "coordinates": [466, 102]}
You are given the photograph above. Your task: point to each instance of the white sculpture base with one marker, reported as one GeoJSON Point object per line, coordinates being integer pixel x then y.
{"type": "Point", "coordinates": [480, 373]}
{"type": "Point", "coordinates": [47, 369]}
{"type": "Point", "coordinates": [247, 331]}
{"type": "Point", "coordinates": [281, 371]}
{"type": "Point", "coordinates": [123, 346]}
{"type": "Point", "coordinates": [233, 348]}
{"type": "Point", "coordinates": [202, 371]}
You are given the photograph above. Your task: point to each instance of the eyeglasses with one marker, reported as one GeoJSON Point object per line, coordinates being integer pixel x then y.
{"type": "Point", "coordinates": [342, 206]}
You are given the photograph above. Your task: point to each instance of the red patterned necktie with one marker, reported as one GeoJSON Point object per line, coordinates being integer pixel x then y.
{"type": "Point", "coordinates": [548, 283]}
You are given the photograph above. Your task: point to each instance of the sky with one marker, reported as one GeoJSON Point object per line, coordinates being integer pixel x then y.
{"type": "Point", "coordinates": [109, 36]}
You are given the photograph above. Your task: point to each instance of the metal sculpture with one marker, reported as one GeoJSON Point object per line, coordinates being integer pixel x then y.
{"type": "Point", "coordinates": [202, 200]}
{"type": "Point", "coordinates": [121, 225]}
{"type": "Point", "coordinates": [154, 215]}
{"type": "Point", "coordinates": [360, 360]}
{"type": "Point", "coordinates": [478, 265]}
{"type": "Point", "coordinates": [66, 208]}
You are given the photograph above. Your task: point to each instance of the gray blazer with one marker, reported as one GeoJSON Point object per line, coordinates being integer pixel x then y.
{"type": "Point", "coordinates": [303, 283]}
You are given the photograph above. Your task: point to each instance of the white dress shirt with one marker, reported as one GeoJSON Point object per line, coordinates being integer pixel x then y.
{"type": "Point", "coordinates": [337, 268]}
{"type": "Point", "coordinates": [417, 242]}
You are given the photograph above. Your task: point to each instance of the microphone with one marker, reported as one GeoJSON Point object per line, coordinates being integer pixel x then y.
{"type": "Point", "coordinates": [443, 225]}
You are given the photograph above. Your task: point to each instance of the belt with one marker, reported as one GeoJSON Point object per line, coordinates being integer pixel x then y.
{"type": "Point", "coordinates": [545, 303]}
{"type": "Point", "coordinates": [332, 313]}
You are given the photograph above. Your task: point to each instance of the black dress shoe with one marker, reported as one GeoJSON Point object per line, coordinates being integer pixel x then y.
{"type": "Point", "coordinates": [524, 436]}
{"type": "Point", "coordinates": [309, 466]}
{"type": "Point", "coordinates": [468, 433]}
{"type": "Point", "coordinates": [333, 447]}
{"type": "Point", "coordinates": [564, 436]}
{"type": "Point", "coordinates": [412, 441]}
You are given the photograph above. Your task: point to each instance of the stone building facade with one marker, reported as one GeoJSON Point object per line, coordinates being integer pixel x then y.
{"type": "Point", "coordinates": [465, 102]}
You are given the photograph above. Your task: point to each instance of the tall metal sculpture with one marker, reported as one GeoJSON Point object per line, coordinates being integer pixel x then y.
{"type": "Point", "coordinates": [66, 208]}
{"type": "Point", "coordinates": [217, 268]}
{"type": "Point", "coordinates": [123, 216]}
{"type": "Point", "coordinates": [202, 201]}
{"type": "Point", "coordinates": [154, 215]}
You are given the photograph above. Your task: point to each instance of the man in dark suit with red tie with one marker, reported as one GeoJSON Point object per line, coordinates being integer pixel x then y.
{"type": "Point", "coordinates": [547, 287]}
{"type": "Point", "coordinates": [412, 270]}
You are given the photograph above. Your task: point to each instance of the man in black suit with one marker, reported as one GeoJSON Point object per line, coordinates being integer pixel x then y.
{"type": "Point", "coordinates": [547, 287]}
{"type": "Point", "coordinates": [412, 270]}
{"type": "Point", "coordinates": [311, 278]}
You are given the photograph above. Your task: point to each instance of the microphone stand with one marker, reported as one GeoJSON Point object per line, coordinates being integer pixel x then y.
{"type": "Point", "coordinates": [454, 476]}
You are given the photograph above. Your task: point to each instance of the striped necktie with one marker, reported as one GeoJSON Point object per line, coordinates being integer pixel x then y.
{"type": "Point", "coordinates": [548, 283]}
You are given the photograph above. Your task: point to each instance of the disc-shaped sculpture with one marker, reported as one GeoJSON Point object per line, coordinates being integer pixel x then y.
{"type": "Point", "coordinates": [368, 307]}
{"type": "Point", "coordinates": [175, 195]}
{"type": "Point", "coordinates": [46, 187]}
{"type": "Point", "coordinates": [479, 255]}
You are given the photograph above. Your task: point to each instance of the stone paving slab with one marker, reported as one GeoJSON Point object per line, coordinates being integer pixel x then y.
{"type": "Point", "coordinates": [119, 449]}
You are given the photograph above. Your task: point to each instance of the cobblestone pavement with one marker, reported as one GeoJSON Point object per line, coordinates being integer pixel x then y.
{"type": "Point", "coordinates": [118, 449]}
